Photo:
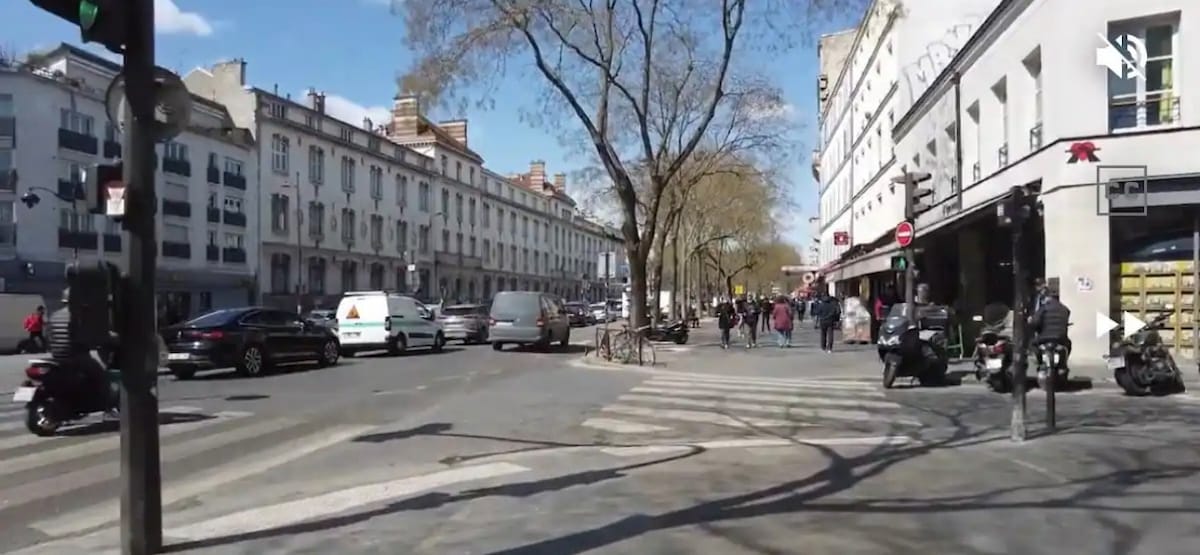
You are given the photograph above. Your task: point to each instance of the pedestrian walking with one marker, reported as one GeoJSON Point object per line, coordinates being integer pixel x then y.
{"type": "Point", "coordinates": [725, 321]}
{"type": "Point", "coordinates": [765, 305]}
{"type": "Point", "coordinates": [801, 305]}
{"type": "Point", "coordinates": [35, 325]}
{"type": "Point", "coordinates": [782, 316]}
{"type": "Point", "coordinates": [827, 312]}
{"type": "Point", "coordinates": [751, 314]}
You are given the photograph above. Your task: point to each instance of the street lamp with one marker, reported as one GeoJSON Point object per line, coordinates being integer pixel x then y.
{"type": "Point", "coordinates": [299, 244]}
{"type": "Point", "coordinates": [31, 199]}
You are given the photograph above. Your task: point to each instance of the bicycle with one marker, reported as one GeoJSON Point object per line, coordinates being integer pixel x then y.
{"type": "Point", "coordinates": [628, 345]}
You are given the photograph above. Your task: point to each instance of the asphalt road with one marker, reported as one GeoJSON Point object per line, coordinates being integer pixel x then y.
{"type": "Point", "coordinates": [742, 451]}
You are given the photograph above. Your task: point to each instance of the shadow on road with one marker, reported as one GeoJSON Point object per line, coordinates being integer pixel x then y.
{"type": "Point", "coordinates": [164, 419]}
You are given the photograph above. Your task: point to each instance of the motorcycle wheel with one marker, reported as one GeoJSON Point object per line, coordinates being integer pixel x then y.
{"type": "Point", "coordinates": [39, 418]}
{"type": "Point", "coordinates": [680, 339]}
{"type": "Point", "coordinates": [890, 369]}
{"type": "Point", "coordinates": [1129, 385]}
{"type": "Point", "coordinates": [998, 383]}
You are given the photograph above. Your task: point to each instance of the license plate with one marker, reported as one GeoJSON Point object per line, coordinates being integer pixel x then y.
{"type": "Point", "coordinates": [350, 334]}
{"type": "Point", "coordinates": [504, 324]}
{"type": "Point", "coordinates": [1116, 363]}
{"type": "Point", "coordinates": [178, 356]}
{"type": "Point", "coordinates": [24, 394]}
{"type": "Point", "coordinates": [993, 363]}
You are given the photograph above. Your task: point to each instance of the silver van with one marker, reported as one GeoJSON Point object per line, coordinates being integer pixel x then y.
{"type": "Point", "coordinates": [527, 318]}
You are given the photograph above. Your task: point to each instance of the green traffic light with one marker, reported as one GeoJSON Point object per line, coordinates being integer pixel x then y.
{"type": "Point", "coordinates": [87, 14]}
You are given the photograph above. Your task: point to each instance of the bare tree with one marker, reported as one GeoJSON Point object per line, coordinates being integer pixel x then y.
{"type": "Point", "coordinates": [623, 71]}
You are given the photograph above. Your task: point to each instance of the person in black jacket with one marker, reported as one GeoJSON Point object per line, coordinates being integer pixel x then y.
{"type": "Point", "coordinates": [751, 312]}
{"type": "Point", "coordinates": [827, 312]}
{"type": "Point", "coordinates": [1051, 322]}
{"type": "Point", "coordinates": [725, 321]}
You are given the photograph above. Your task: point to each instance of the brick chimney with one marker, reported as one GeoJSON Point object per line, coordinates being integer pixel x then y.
{"type": "Point", "coordinates": [560, 181]}
{"type": "Point", "coordinates": [537, 173]}
{"type": "Point", "coordinates": [406, 112]}
{"type": "Point", "coordinates": [457, 129]}
{"type": "Point", "coordinates": [368, 126]}
{"type": "Point", "coordinates": [230, 72]}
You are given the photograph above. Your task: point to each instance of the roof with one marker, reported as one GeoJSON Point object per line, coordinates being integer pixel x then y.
{"type": "Point", "coordinates": [545, 188]}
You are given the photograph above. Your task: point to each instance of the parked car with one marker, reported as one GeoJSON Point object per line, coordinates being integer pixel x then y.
{"type": "Point", "coordinates": [382, 320]}
{"type": "Point", "coordinates": [578, 314]}
{"type": "Point", "coordinates": [323, 317]}
{"type": "Point", "coordinates": [600, 312]}
{"type": "Point", "coordinates": [467, 322]}
{"type": "Point", "coordinates": [527, 318]}
{"type": "Point", "coordinates": [252, 340]}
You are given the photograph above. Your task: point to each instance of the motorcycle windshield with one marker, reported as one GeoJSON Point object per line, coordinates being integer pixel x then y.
{"type": "Point", "coordinates": [998, 319]}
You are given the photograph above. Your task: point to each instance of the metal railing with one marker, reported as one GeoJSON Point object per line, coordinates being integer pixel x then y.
{"type": "Point", "coordinates": [1156, 109]}
{"type": "Point", "coordinates": [626, 345]}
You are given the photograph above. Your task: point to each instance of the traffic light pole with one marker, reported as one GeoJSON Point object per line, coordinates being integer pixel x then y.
{"type": "Point", "coordinates": [910, 274]}
{"type": "Point", "coordinates": [1020, 317]}
{"type": "Point", "coordinates": [141, 500]}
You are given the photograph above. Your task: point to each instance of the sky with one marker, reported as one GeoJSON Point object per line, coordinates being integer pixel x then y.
{"type": "Point", "coordinates": [354, 52]}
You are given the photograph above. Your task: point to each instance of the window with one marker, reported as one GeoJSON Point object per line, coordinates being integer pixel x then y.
{"type": "Point", "coordinates": [234, 204]}
{"type": "Point", "coordinates": [235, 241]}
{"type": "Point", "coordinates": [279, 153]}
{"type": "Point", "coordinates": [487, 250]}
{"type": "Point", "coordinates": [213, 200]}
{"type": "Point", "coordinates": [347, 174]}
{"type": "Point", "coordinates": [445, 202]}
{"type": "Point", "coordinates": [346, 134]}
{"type": "Point", "coordinates": [212, 238]}
{"type": "Point", "coordinates": [75, 121]}
{"type": "Point", "coordinates": [279, 213]}
{"type": "Point", "coordinates": [402, 236]}
{"type": "Point", "coordinates": [487, 215]}
{"type": "Point", "coordinates": [73, 172]}
{"type": "Point", "coordinates": [473, 247]}
{"type": "Point", "coordinates": [458, 170]}
{"type": "Point", "coordinates": [316, 165]}
{"type": "Point", "coordinates": [316, 275]}
{"type": "Point", "coordinates": [445, 240]}
{"type": "Point", "coordinates": [423, 194]}
{"type": "Point", "coordinates": [6, 106]}
{"type": "Point", "coordinates": [175, 151]}
{"type": "Point", "coordinates": [173, 233]}
{"type": "Point", "coordinates": [512, 223]}
{"type": "Point", "coordinates": [423, 239]}
{"type": "Point", "coordinates": [316, 219]}
{"type": "Point", "coordinates": [233, 167]}
{"type": "Point", "coordinates": [472, 175]}
{"type": "Point", "coordinates": [471, 212]}
{"type": "Point", "coordinates": [175, 192]}
{"type": "Point", "coordinates": [376, 230]}
{"type": "Point", "coordinates": [277, 109]}
{"type": "Point", "coordinates": [445, 166]}
{"type": "Point", "coordinates": [458, 207]}
{"type": "Point", "coordinates": [1153, 100]}
{"type": "Point", "coordinates": [348, 226]}
{"type": "Point", "coordinates": [214, 160]}
{"type": "Point", "coordinates": [349, 276]}
{"type": "Point", "coordinates": [72, 221]}
{"type": "Point", "coordinates": [376, 182]}
{"type": "Point", "coordinates": [401, 190]}
{"type": "Point", "coordinates": [458, 243]}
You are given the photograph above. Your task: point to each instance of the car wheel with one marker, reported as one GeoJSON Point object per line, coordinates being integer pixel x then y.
{"type": "Point", "coordinates": [497, 346]}
{"type": "Point", "coordinates": [439, 341]}
{"type": "Point", "coordinates": [398, 345]}
{"type": "Point", "coordinates": [329, 353]}
{"type": "Point", "coordinates": [253, 362]}
{"type": "Point", "coordinates": [183, 372]}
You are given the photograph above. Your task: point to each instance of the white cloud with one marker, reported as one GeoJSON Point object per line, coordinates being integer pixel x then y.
{"type": "Point", "coordinates": [169, 19]}
{"type": "Point", "coordinates": [772, 110]}
{"type": "Point", "coordinates": [353, 113]}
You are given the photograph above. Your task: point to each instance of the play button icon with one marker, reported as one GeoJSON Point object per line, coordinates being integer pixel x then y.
{"type": "Point", "coordinates": [1131, 324]}
{"type": "Point", "coordinates": [1104, 324]}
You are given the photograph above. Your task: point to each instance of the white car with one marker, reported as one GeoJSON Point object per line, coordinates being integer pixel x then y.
{"type": "Point", "coordinates": [380, 320]}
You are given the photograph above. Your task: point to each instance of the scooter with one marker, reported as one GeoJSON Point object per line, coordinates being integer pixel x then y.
{"type": "Point", "coordinates": [993, 348]}
{"type": "Point", "coordinates": [55, 394]}
{"type": "Point", "coordinates": [675, 331]}
{"type": "Point", "coordinates": [914, 347]}
{"type": "Point", "coordinates": [1142, 364]}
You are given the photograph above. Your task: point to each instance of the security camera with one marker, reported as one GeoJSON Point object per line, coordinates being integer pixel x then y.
{"type": "Point", "coordinates": [30, 199]}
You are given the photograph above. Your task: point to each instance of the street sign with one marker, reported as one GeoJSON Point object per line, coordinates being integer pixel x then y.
{"type": "Point", "coordinates": [739, 290]}
{"type": "Point", "coordinates": [905, 233]}
{"type": "Point", "coordinates": [809, 278]}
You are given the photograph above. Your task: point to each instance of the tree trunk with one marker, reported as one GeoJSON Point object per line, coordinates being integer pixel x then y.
{"type": "Point", "coordinates": [637, 288]}
{"type": "Point", "coordinates": [654, 268]}
{"type": "Point", "coordinates": [676, 278]}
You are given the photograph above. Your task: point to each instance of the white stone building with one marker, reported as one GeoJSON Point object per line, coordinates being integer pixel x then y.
{"type": "Point", "coordinates": [53, 127]}
{"type": "Point", "coordinates": [892, 57]}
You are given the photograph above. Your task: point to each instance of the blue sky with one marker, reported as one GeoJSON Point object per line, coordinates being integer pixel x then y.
{"type": "Point", "coordinates": [354, 52]}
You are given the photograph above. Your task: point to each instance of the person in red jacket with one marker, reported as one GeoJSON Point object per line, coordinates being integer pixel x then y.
{"type": "Point", "coordinates": [781, 316]}
{"type": "Point", "coordinates": [35, 325]}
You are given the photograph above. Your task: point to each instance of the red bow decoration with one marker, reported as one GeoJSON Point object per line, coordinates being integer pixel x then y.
{"type": "Point", "coordinates": [1083, 151]}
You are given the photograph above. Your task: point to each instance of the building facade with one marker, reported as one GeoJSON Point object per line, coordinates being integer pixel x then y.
{"type": "Point", "coordinates": [893, 56]}
{"type": "Point", "coordinates": [53, 128]}
{"type": "Point", "coordinates": [403, 204]}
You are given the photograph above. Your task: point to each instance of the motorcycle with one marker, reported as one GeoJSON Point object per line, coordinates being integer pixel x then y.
{"type": "Point", "coordinates": [675, 331]}
{"type": "Point", "coordinates": [914, 347]}
{"type": "Point", "coordinates": [1142, 365]}
{"type": "Point", "coordinates": [55, 394]}
{"type": "Point", "coordinates": [1052, 359]}
{"type": "Point", "coordinates": [993, 348]}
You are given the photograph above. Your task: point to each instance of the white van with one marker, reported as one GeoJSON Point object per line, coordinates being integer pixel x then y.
{"type": "Point", "coordinates": [377, 320]}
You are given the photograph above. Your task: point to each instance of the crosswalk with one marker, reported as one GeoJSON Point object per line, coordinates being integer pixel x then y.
{"type": "Point", "coordinates": [682, 405]}
{"type": "Point", "coordinates": [66, 484]}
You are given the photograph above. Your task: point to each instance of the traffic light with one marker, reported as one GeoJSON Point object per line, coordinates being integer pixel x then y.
{"type": "Point", "coordinates": [102, 21]}
{"type": "Point", "coordinates": [98, 180]}
{"type": "Point", "coordinates": [93, 298]}
{"type": "Point", "coordinates": [899, 263]}
{"type": "Point", "coordinates": [1018, 207]}
{"type": "Point", "coordinates": [916, 195]}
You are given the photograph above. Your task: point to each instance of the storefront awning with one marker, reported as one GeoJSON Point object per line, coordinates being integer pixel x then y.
{"type": "Point", "coordinates": [877, 261]}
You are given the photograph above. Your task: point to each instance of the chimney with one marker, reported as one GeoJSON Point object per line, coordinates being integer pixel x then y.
{"type": "Point", "coordinates": [406, 112]}
{"type": "Point", "coordinates": [370, 127]}
{"type": "Point", "coordinates": [230, 72]}
{"type": "Point", "coordinates": [457, 129]}
{"type": "Point", "coordinates": [316, 100]}
{"type": "Point", "coordinates": [537, 173]}
{"type": "Point", "coordinates": [560, 181]}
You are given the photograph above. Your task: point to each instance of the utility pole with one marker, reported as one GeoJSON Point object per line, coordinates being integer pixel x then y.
{"type": "Point", "coordinates": [1015, 212]}
{"type": "Point", "coordinates": [299, 250]}
{"type": "Point", "coordinates": [913, 207]}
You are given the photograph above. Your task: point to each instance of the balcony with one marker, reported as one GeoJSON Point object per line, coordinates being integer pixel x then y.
{"type": "Point", "coordinates": [172, 249]}
{"type": "Point", "coordinates": [112, 242]}
{"type": "Point", "coordinates": [8, 181]}
{"type": "Point", "coordinates": [177, 166]}
{"type": "Point", "coordinates": [234, 255]}
{"type": "Point", "coordinates": [213, 175]}
{"type": "Point", "coordinates": [235, 181]}
{"type": "Point", "coordinates": [8, 235]}
{"type": "Point", "coordinates": [1035, 137]}
{"type": "Point", "coordinates": [176, 208]}
{"type": "Point", "coordinates": [1157, 110]}
{"type": "Point", "coordinates": [8, 129]}
{"type": "Point", "coordinates": [112, 149]}
{"type": "Point", "coordinates": [214, 215]}
{"type": "Point", "coordinates": [83, 240]}
{"type": "Point", "coordinates": [1002, 156]}
{"type": "Point", "coordinates": [70, 189]}
{"type": "Point", "coordinates": [235, 218]}
{"type": "Point", "coordinates": [212, 253]}
{"type": "Point", "coordinates": [976, 172]}
{"type": "Point", "coordinates": [78, 142]}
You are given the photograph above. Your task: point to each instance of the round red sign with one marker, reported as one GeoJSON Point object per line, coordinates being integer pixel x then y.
{"type": "Point", "coordinates": [905, 233]}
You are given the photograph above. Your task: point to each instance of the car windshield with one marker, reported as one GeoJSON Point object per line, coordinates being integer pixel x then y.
{"type": "Point", "coordinates": [216, 318]}
{"type": "Point", "coordinates": [597, 306]}
{"type": "Point", "coordinates": [462, 310]}
{"type": "Point", "coordinates": [513, 303]}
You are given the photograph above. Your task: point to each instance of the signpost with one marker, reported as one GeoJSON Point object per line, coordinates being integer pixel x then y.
{"type": "Point", "coordinates": [905, 234]}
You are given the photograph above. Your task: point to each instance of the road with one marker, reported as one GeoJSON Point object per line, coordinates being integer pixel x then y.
{"type": "Point", "coordinates": [743, 451]}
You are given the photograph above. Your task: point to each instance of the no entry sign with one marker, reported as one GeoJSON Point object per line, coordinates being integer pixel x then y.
{"type": "Point", "coordinates": [905, 233]}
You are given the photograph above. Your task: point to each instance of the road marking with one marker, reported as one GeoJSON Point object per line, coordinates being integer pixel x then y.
{"type": "Point", "coordinates": [823, 389]}
{"type": "Point", "coordinates": [622, 426]}
{"type": "Point", "coordinates": [111, 470]}
{"type": "Point", "coordinates": [705, 417]}
{"type": "Point", "coordinates": [705, 391]}
{"type": "Point", "coordinates": [800, 382]}
{"type": "Point", "coordinates": [64, 450]}
{"type": "Point", "coordinates": [754, 442]}
{"type": "Point", "coordinates": [302, 510]}
{"type": "Point", "coordinates": [643, 450]}
{"type": "Point", "coordinates": [99, 515]}
{"type": "Point", "coordinates": [793, 411]}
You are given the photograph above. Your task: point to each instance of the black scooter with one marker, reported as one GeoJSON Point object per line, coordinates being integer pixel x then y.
{"type": "Point", "coordinates": [58, 392]}
{"type": "Point", "coordinates": [676, 332]}
{"type": "Point", "coordinates": [914, 347]}
{"type": "Point", "coordinates": [1142, 364]}
{"type": "Point", "coordinates": [993, 348]}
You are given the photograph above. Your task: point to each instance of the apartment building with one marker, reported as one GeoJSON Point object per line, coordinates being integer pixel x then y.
{"type": "Point", "coordinates": [1115, 230]}
{"type": "Point", "coordinates": [894, 54]}
{"type": "Point", "coordinates": [410, 207]}
{"type": "Point", "coordinates": [53, 127]}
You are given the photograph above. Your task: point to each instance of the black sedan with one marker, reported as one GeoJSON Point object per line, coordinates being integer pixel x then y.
{"type": "Point", "coordinates": [252, 340]}
{"type": "Point", "coordinates": [579, 314]}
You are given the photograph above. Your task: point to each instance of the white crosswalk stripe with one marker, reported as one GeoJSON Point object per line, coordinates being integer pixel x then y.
{"type": "Point", "coordinates": [34, 469]}
{"type": "Point", "coordinates": [669, 401]}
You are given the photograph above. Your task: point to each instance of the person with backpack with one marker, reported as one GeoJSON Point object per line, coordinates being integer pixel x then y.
{"type": "Point", "coordinates": [828, 313]}
{"type": "Point", "coordinates": [726, 319]}
{"type": "Point", "coordinates": [752, 311]}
